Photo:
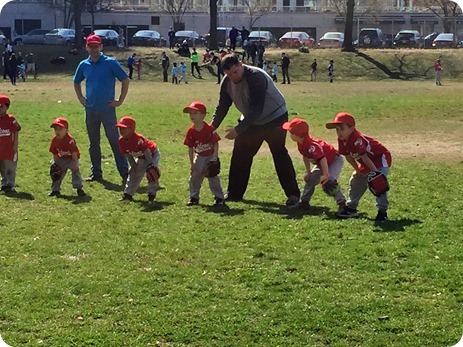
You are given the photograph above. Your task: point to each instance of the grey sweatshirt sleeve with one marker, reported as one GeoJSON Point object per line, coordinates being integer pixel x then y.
{"type": "Point", "coordinates": [224, 104]}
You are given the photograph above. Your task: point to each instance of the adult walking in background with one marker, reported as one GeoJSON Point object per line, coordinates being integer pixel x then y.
{"type": "Point", "coordinates": [171, 36]}
{"type": "Point", "coordinates": [100, 73]}
{"type": "Point", "coordinates": [313, 73]}
{"type": "Point", "coordinates": [263, 109]}
{"type": "Point", "coordinates": [165, 66]}
{"type": "Point", "coordinates": [13, 68]}
{"type": "Point", "coordinates": [285, 68]}
{"type": "Point", "coordinates": [130, 64]}
{"type": "Point", "coordinates": [233, 35]}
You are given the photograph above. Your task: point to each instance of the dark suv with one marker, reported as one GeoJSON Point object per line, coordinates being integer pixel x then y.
{"type": "Point", "coordinates": [409, 39]}
{"type": "Point", "coordinates": [371, 38]}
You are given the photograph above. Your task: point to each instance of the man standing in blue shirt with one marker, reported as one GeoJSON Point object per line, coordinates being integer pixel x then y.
{"type": "Point", "coordinates": [100, 73]}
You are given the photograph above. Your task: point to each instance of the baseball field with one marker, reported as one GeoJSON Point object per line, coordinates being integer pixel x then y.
{"type": "Point", "coordinates": [94, 271]}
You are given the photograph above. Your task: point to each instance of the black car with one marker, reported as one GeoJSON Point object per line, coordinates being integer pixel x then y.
{"type": "Point", "coordinates": [371, 38]}
{"type": "Point", "coordinates": [108, 37]}
{"type": "Point", "coordinates": [408, 39]}
{"type": "Point", "coordinates": [150, 38]}
{"type": "Point", "coordinates": [428, 39]}
{"type": "Point", "coordinates": [192, 38]}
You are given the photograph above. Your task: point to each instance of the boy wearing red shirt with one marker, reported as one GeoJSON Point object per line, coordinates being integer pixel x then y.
{"type": "Point", "coordinates": [203, 147]}
{"type": "Point", "coordinates": [326, 160]}
{"type": "Point", "coordinates": [66, 155]}
{"type": "Point", "coordinates": [365, 154]}
{"type": "Point", "coordinates": [9, 129]}
{"type": "Point", "coordinates": [142, 154]}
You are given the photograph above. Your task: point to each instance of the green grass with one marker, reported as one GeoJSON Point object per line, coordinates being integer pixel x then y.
{"type": "Point", "coordinates": [98, 272]}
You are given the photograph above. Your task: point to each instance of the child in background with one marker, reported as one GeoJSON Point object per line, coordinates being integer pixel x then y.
{"type": "Point", "coordinates": [174, 73]}
{"type": "Point", "coordinates": [331, 71]}
{"type": "Point", "coordinates": [9, 129]}
{"type": "Point", "coordinates": [143, 156]}
{"type": "Point", "coordinates": [183, 75]}
{"type": "Point", "coordinates": [275, 72]}
{"type": "Point", "coordinates": [326, 160]}
{"type": "Point", "coordinates": [65, 157]}
{"type": "Point", "coordinates": [366, 155]}
{"type": "Point", "coordinates": [22, 71]}
{"type": "Point", "coordinates": [203, 147]}
{"type": "Point", "coordinates": [265, 67]}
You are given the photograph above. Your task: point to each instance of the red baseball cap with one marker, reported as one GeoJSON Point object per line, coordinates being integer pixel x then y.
{"type": "Point", "coordinates": [60, 122]}
{"type": "Point", "coordinates": [340, 118]}
{"type": "Point", "coordinates": [93, 40]}
{"type": "Point", "coordinates": [297, 126]}
{"type": "Point", "coordinates": [195, 106]}
{"type": "Point", "coordinates": [126, 122]}
{"type": "Point", "coordinates": [4, 100]}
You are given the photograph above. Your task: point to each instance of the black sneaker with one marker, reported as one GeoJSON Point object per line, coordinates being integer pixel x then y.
{"type": "Point", "coordinates": [347, 213]}
{"type": "Point", "coordinates": [80, 192]}
{"type": "Point", "coordinates": [219, 202]}
{"type": "Point", "coordinates": [292, 201]}
{"type": "Point", "coordinates": [302, 205]}
{"type": "Point", "coordinates": [126, 197]}
{"type": "Point", "coordinates": [54, 193]}
{"type": "Point", "coordinates": [229, 197]}
{"type": "Point", "coordinates": [94, 177]}
{"type": "Point", "coordinates": [381, 216]}
{"type": "Point", "coordinates": [151, 198]}
{"type": "Point", "coordinates": [192, 202]}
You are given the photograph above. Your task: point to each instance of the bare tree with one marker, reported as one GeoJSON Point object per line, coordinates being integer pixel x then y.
{"type": "Point", "coordinates": [176, 9]}
{"type": "Point", "coordinates": [213, 25]}
{"type": "Point", "coordinates": [258, 8]}
{"type": "Point", "coordinates": [347, 45]}
{"type": "Point", "coordinates": [95, 6]}
{"type": "Point", "coordinates": [445, 9]}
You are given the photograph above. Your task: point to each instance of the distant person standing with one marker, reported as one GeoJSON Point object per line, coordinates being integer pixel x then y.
{"type": "Point", "coordinates": [121, 43]}
{"type": "Point", "coordinates": [171, 36]}
{"type": "Point", "coordinates": [165, 66]}
{"type": "Point", "coordinates": [130, 64]}
{"type": "Point", "coordinates": [100, 73]}
{"type": "Point", "coordinates": [285, 68]}
{"type": "Point", "coordinates": [182, 69]}
{"type": "Point", "coordinates": [244, 34]}
{"type": "Point", "coordinates": [174, 73]}
{"type": "Point", "coordinates": [275, 72]}
{"type": "Point", "coordinates": [13, 68]}
{"type": "Point", "coordinates": [194, 63]}
{"type": "Point", "coordinates": [30, 64]}
{"type": "Point", "coordinates": [233, 35]}
{"type": "Point", "coordinates": [313, 73]}
{"type": "Point", "coordinates": [438, 72]}
{"type": "Point", "coordinates": [331, 71]}
{"type": "Point", "coordinates": [5, 58]}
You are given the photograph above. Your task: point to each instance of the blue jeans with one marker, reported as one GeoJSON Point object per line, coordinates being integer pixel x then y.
{"type": "Point", "coordinates": [93, 120]}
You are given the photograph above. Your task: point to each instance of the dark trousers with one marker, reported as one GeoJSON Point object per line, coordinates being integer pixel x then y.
{"type": "Point", "coordinates": [245, 148]}
{"type": "Point", "coordinates": [285, 73]}
{"type": "Point", "coordinates": [130, 71]}
{"type": "Point", "coordinates": [164, 74]}
{"type": "Point", "coordinates": [5, 71]}
{"type": "Point", "coordinates": [195, 66]}
{"type": "Point", "coordinates": [233, 44]}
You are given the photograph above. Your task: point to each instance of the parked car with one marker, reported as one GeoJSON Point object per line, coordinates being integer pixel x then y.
{"type": "Point", "coordinates": [223, 34]}
{"type": "Point", "coordinates": [61, 36]}
{"type": "Point", "coordinates": [33, 37]}
{"type": "Point", "coordinates": [371, 38]}
{"type": "Point", "coordinates": [331, 40]}
{"type": "Point", "coordinates": [262, 36]}
{"type": "Point", "coordinates": [108, 37]}
{"type": "Point", "coordinates": [148, 38]}
{"type": "Point", "coordinates": [296, 39]}
{"type": "Point", "coordinates": [408, 39]}
{"type": "Point", "coordinates": [445, 40]}
{"type": "Point", "coordinates": [428, 39]}
{"type": "Point", "coordinates": [192, 37]}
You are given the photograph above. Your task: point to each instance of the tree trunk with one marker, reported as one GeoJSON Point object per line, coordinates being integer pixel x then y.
{"type": "Point", "coordinates": [78, 23]}
{"type": "Point", "coordinates": [348, 46]}
{"type": "Point", "coordinates": [213, 25]}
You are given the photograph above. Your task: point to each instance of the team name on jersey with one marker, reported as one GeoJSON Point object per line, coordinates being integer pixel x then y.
{"type": "Point", "coordinates": [203, 147]}
{"type": "Point", "coordinates": [5, 132]}
{"type": "Point", "coordinates": [64, 153]}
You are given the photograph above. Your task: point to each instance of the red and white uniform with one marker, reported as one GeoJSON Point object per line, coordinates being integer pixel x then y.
{"type": "Point", "coordinates": [437, 66]}
{"type": "Point", "coordinates": [136, 145]}
{"type": "Point", "coordinates": [8, 132]}
{"type": "Point", "coordinates": [65, 147]}
{"type": "Point", "coordinates": [358, 144]}
{"type": "Point", "coordinates": [202, 141]}
{"type": "Point", "coordinates": [315, 150]}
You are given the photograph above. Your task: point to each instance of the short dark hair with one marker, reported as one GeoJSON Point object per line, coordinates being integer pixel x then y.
{"type": "Point", "coordinates": [229, 60]}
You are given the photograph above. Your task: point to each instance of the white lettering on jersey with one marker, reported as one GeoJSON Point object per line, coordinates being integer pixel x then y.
{"type": "Point", "coordinates": [5, 132]}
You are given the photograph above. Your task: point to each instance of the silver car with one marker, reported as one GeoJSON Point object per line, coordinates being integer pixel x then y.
{"type": "Point", "coordinates": [33, 37]}
{"type": "Point", "coordinates": [61, 36]}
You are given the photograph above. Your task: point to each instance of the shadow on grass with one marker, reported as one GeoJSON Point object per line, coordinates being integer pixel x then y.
{"type": "Point", "coordinates": [145, 206]}
{"type": "Point", "coordinates": [20, 196]}
{"type": "Point", "coordinates": [288, 212]}
{"type": "Point", "coordinates": [111, 186]}
{"type": "Point", "coordinates": [395, 225]}
{"type": "Point", "coordinates": [76, 200]}
{"type": "Point", "coordinates": [225, 210]}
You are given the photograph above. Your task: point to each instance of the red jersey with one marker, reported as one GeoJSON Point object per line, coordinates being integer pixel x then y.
{"type": "Point", "coordinates": [358, 144]}
{"type": "Point", "coordinates": [136, 145]}
{"type": "Point", "coordinates": [202, 141]}
{"type": "Point", "coordinates": [437, 66]}
{"type": "Point", "coordinates": [65, 147]}
{"type": "Point", "coordinates": [8, 129]}
{"type": "Point", "coordinates": [315, 150]}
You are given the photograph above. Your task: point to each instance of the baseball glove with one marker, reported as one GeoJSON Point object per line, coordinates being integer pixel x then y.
{"type": "Point", "coordinates": [152, 173]}
{"type": "Point", "coordinates": [331, 186]}
{"type": "Point", "coordinates": [377, 183]}
{"type": "Point", "coordinates": [212, 168]}
{"type": "Point", "coordinates": [55, 172]}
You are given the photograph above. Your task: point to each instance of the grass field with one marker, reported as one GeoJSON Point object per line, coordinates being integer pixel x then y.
{"type": "Point", "coordinates": [97, 272]}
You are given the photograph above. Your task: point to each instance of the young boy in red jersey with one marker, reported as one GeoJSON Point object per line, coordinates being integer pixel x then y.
{"type": "Point", "coordinates": [203, 147]}
{"type": "Point", "coordinates": [9, 129]}
{"type": "Point", "coordinates": [366, 155]}
{"type": "Point", "coordinates": [66, 156]}
{"type": "Point", "coordinates": [143, 156]}
{"type": "Point", "coordinates": [326, 160]}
